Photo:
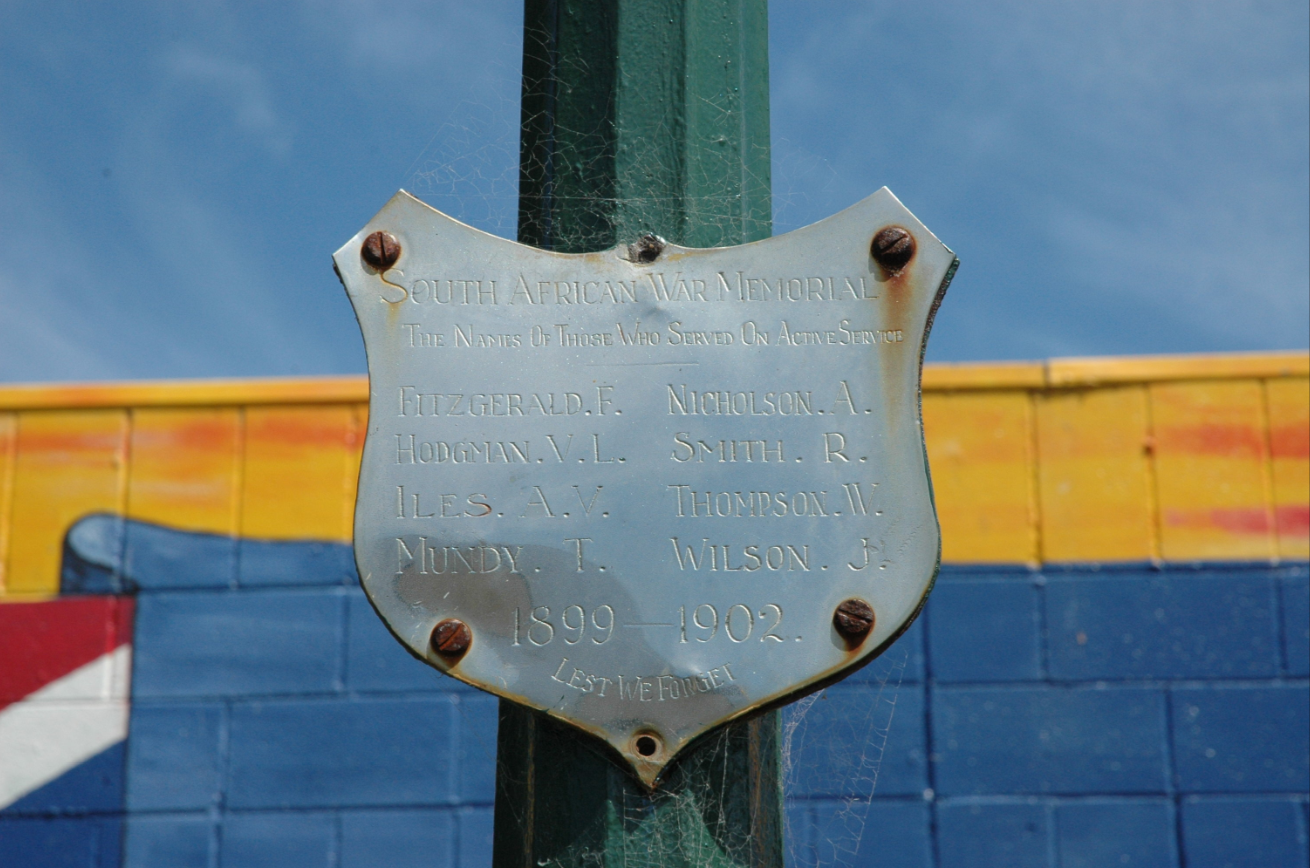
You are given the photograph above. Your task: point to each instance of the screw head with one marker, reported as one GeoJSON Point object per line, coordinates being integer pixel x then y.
{"type": "Point", "coordinates": [646, 249]}
{"type": "Point", "coordinates": [451, 637]}
{"type": "Point", "coordinates": [853, 619]}
{"type": "Point", "coordinates": [892, 248]}
{"type": "Point", "coordinates": [380, 251]}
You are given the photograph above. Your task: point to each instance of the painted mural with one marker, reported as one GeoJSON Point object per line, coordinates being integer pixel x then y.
{"type": "Point", "coordinates": [184, 651]}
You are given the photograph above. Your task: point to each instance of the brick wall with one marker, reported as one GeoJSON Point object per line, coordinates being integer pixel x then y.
{"type": "Point", "coordinates": [1120, 715]}
{"type": "Point", "coordinates": [305, 736]}
{"type": "Point", "coordinates": [1072, 718]}
{"type": "Point", "coordinates": [273, 721]}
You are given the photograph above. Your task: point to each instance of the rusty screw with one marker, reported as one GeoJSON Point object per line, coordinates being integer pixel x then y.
{"type": "Point", "coordinates": [892, 248]}
{"type": "Point", "coordinates": [646, 249]}
{"type": "Point", "coordinates": [380, 251]}
{"type": "Point", "coordinates": [451, 637]}
{"type": "Point", "coordinates": [853, 619]}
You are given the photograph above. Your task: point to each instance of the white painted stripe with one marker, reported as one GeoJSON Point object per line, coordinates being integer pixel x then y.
{"type": "Point", "coordinates": [63, 724]}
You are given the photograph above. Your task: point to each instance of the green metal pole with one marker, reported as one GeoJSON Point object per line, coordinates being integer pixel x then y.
{"type": "Point", "coordinates": [641, 116]}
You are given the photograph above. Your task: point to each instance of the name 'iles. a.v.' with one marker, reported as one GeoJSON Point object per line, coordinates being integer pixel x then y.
{"type": "Point", "coordinates": [651, 489]}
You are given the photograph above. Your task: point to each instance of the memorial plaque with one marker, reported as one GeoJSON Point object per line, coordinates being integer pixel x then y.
{"type": "Point", "coordinates": [652, 489]}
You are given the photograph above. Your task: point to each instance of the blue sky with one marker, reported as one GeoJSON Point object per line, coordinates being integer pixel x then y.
{"type": "Point", "coordinates": [1117, 176]}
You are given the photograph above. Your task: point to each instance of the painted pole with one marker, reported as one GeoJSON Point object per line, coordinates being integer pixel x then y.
{"type": "Point", "coordinates": [641, 116]}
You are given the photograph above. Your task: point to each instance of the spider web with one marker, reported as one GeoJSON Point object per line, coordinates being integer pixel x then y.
{"type": "Point", "coordinates": [849, 749]}
{"type": "Point", "coordinates": [470, 170]}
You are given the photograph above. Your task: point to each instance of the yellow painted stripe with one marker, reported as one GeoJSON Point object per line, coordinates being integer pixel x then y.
{"type": "Point", "coordinates": [980, 454]}
{"type": "Point", "coordinates": [1289, 446]}
{"type": "Point", "coordinates": [1094, 475]}
{"type": "Point", "coordinates": [1174, 458]}
{"type": "Point", "coordinates": [69, 463]}
{"type": "Point", "coordinates": [8, 454]}
{"type": "Point", "coordinates": [1210, 464]}
{"type": "Point", "coordinates": [299, 474]}
{"type": "Point", "coordinates": [185, 467]}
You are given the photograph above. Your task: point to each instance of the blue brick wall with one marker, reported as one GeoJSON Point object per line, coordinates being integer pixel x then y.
{"type": "Point", "coordinates": [284, 726]}
{"type": "Point", "coordinates": [274, 720]}
{"type": "Point", "coordinates": [1055, 719]}
{"type": "Point", "coordinates": [1069, 718]}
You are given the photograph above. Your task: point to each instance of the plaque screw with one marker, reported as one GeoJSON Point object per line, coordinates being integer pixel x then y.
{"type": "Point", "coordinates": [380, 250]}
{"type": "Point", "coordinates": [451, 637]}
{"type": "Point", "coordinates": [853, 619]}
{"type": "Point", "coordinates": [646, 249]}
{"type": "Point", "coordinates": [892, 248]}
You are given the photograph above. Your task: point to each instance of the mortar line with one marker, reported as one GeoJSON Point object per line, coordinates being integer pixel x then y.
{"type": "Point", "coordinates": [1151, 447]}
{"type": "Point", "coordinates": [1267, 474]}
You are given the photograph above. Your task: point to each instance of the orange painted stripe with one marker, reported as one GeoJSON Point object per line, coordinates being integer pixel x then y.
{"type": "Point", "coordinates": [1292, 519]}
{"type": "Point", "coordinates": [1212, 439]}
{"type": "Point", "coordinates": [1240, 520]}
{"type": "Point", "coordinates": [1289, 441]}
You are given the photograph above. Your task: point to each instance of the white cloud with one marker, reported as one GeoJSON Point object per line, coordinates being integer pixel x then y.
{"type": "Point", "coordinates": [453, 44]}
{"type": "Point", "coordinates": [239, 85]}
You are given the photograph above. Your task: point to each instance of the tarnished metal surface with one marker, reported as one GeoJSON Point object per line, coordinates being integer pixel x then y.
{"type": "Point", "coordinates": [645, 480]}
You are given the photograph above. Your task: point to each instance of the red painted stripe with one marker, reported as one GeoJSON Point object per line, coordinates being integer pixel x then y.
{"type": "Point", "coordinates": [40, 642]}
{"type": "Point", "coordinates": [1248, 520]}
{"type": "Point", "coordinates": [1293, 520]}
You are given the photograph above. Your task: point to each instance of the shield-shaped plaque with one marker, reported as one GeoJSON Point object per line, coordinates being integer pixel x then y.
{"type": "Point", "coordinates": [653, 489]}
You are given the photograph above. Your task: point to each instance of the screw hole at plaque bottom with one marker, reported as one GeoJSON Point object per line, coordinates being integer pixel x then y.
{"type": "Point", "coordinates": [647, 745]}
